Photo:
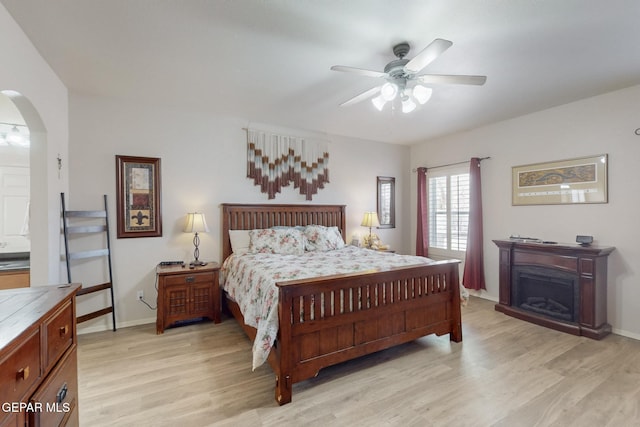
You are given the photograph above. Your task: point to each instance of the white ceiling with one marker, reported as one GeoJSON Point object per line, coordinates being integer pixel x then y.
{"type": "Point", "coordinates": [269, 60]}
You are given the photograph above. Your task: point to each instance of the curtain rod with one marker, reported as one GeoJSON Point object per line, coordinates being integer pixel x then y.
{"type": "Point", "coordinates": [451, 164]}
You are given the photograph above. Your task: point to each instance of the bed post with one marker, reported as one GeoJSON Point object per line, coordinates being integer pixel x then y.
{"type": "Point", "coordinates": [456, 316]}
{"type": "Point", "coordinates": [284, 382]}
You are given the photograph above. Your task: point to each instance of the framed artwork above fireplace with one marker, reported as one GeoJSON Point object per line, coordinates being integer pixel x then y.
{"type": "Point", "coordinates": [574, 181]}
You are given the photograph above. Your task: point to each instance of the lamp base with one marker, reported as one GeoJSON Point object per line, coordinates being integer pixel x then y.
{"type": "Point", "coordinates": [197, 263]}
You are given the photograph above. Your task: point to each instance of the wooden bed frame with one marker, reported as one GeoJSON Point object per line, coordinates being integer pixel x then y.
{"type": "Point", "coordinates": [361, 313]}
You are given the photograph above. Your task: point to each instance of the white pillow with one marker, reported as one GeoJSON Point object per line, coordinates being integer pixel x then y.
{"type": "Point", "coordinates": [287, 241]}
{"type": "Point", "coordinates": [322, 239]}
{"type": "Point", "coordinates": [239, 241]}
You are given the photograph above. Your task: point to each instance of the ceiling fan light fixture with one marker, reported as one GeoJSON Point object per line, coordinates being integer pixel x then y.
{"type": "Point", "coordinates": [14, 137]}
{"type": "Point", "coordinates": [378, 102]}
{"type": "Point", "coordinates": [422, 94]}
{"type": "Point", "coordinates": [388, 91]}
{"type": "Point", "coordinates": [402, 79]}
{"type": "Point", "coordinates": [408, 105]}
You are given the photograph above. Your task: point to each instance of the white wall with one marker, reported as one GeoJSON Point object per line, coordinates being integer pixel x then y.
{"type": "Point", "coordinates": [603, 124]}
{"type": "Point", "coordinates": [42, 100]}
{"type": "Point", "coordinates": [203, 165]}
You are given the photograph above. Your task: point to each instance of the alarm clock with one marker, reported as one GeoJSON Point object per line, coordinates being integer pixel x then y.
{"type": "Point", "coordinates": [584, 240]}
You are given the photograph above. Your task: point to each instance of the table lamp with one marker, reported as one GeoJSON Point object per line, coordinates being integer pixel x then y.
{"type": "Point", "coordinates": [370, 220]}
{"type": "Point", "coordinates": [196, 223]}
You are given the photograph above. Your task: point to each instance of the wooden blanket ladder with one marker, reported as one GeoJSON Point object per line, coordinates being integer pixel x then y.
{"type": "Point", "coordinates": [84, 223]}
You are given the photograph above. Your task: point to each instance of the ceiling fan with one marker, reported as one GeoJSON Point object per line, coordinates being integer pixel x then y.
{"type": "Point", "coordinates": [402, 79]}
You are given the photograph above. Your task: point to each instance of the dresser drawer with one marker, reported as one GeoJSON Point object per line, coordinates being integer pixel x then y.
{"type": "Point", "coordinates": [14, 419]}
{"type": "Point", "coordinates": [60, 332]}
{"type": "Point", "coordinates": [20, 369]}
{"type": "Point", "coordinates": [56, 399]}
{"type": "Point", "coordinates": [181, 279]}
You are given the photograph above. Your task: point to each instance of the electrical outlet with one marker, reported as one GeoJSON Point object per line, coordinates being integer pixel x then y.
{"type": "Point", "coordinates": [140, 296]}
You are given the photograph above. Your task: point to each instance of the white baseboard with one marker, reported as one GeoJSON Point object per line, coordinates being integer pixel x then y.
{"type": "Point", "coordinates": [616, 331]}
{"type": "Point", "coordinates": [625, 333]}
{"type": "Point", "coordinates": [107, 326]}
{"type": "Point", "coordinates": [479, 294]}
{"type": "Point", "coordinates": [482, 294]}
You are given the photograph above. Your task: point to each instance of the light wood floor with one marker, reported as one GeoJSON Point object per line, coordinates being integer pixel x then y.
{"type": "Point", "coordinates": [506, 372]}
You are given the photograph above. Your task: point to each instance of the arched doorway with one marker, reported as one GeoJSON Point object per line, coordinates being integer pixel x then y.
{"type": "Point", "coordinates": [36, 228]}
{"type": "Point", "coordinates": [15, 246]}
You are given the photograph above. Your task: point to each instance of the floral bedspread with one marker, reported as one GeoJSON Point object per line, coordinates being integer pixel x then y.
{"type": "Point", "coordinates": [250, 280]}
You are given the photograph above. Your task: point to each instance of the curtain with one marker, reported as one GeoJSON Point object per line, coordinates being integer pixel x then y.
{"type": "Point", "coordinates": [276, 161]}
{"type": "Point", "coordinates": [422, 235]}
{"type": "Point", "coordinates": [473, 277]}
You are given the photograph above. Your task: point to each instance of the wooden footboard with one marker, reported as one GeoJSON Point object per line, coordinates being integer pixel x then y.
{"type": "Point", "coordinates": [329, 320]}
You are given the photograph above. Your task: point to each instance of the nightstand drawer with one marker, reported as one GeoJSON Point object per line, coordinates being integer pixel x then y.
{"type": "Point", "coordinates": [182, 279]}
{"type": "Point", "coordinates": [59, 333]}
{"type": "Point", "coordinates": [20, 370]}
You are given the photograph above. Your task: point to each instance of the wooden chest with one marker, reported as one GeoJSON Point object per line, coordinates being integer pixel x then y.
{"type": "Point", "coordinates": [38, 361]}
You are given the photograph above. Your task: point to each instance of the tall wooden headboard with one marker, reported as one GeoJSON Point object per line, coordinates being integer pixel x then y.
{"type": "Point", "coordinates": [249, 217]}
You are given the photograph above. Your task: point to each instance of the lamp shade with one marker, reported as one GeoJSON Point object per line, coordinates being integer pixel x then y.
{"type": "Point", "coordinates": [388, 91]}
{"type": "Point", "coordinates": [378, 102]}
{"type": "Point", "coordinates": [196, 223]}
{"type": "Point", "coordinates": [370, 220]}
{"type": "Point", "coordinates": [422, 94]}
{"type": "Point", "coordinates": [408, 105]}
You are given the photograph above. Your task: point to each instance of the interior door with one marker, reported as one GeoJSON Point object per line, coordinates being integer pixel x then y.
{"type": "Point", "coordinates": [14, 204]}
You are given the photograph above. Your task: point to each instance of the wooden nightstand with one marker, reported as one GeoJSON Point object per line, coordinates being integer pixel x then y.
{"type": "Point", "coordinates": [187, 293]}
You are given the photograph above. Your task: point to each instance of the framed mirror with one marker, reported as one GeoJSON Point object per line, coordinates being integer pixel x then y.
{"type": "Point", "coordinates": [387, 201]}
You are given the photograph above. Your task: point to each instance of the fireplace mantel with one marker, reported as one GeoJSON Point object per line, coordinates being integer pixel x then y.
{"type": "Point", "coordinates": [588, 263]}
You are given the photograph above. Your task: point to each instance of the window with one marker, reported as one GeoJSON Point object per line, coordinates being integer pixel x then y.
{"type": "Point", "coordinates": [448, 196]}
{"type": "Point", "coordinates": [387, 201]}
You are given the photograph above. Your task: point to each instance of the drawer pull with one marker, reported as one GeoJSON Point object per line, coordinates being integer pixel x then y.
{"type": "Point", "coordinates": [190, 279]}
{"type": "Point", "coordinates": [62, 393]}
{"type": "Point", "coordinates": [22, 374]}
{"type": "Point", "coordinates": [63, 330]}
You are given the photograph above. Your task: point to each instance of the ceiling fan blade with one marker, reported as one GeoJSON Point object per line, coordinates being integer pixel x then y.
{"type": "Point", "coordinates": [428, 54]}
{"type": "Point", "coordinates": [364, 95]}
{"type": "Point", "coordinates": [359, 71]}
{"type": "Point", "coordinates": [452, 79]}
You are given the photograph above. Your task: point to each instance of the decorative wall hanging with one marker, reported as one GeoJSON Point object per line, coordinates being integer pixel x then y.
{"type": "Point", "coordinates": [138, 196]}
{"type": "Point", "coordinates": [276, 161]}
{"type": "Point", "coordinates": [581, 180]}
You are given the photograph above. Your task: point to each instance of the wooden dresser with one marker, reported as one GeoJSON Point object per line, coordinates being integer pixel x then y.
{"type": "Point", "coordinates": [38, 360]}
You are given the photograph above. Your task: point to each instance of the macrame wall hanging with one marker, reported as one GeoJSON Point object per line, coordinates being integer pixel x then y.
{"type": "Point", "coordinates": [275, 161]}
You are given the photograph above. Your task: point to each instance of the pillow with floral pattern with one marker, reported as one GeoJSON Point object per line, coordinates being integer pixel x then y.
{"type": "Point", "coordinates": [322, 239]}
{"type": "Point", "coordinates": [287, 241]}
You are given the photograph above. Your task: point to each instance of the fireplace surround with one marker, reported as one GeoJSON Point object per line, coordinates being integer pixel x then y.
{"type": "Point", "coordinates": [560, 286]}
